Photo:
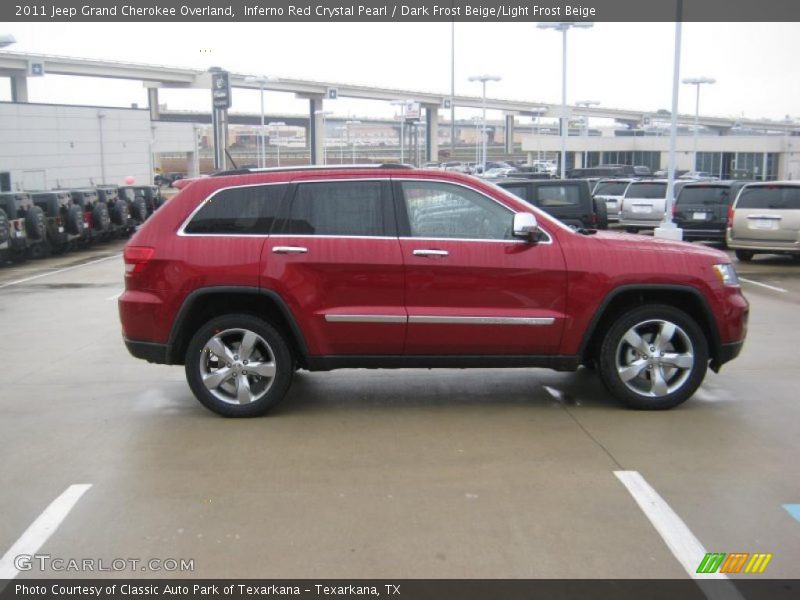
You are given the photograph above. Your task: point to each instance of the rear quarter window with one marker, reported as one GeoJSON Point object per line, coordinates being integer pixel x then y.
{"type": "Point", "coordinates": [249, 210]}
{"type": "Point", "coordinates": [558, 196]}
{"type": "Point", "coordinates": [521, 191]}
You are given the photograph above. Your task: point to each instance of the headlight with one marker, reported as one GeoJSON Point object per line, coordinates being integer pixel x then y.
{"type": "Point", "coordinates": [726, 274]}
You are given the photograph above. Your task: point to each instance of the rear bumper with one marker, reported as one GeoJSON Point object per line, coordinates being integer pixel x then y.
{"type": "Point", "coordinates": [154, 353]}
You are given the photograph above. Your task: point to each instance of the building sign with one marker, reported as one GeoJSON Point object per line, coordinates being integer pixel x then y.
{"type": "Point", "coordinates": [221, 89]}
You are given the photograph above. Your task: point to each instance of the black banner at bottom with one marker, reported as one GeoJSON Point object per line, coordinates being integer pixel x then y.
{"type": "Point", "coordinates": [399, 589]}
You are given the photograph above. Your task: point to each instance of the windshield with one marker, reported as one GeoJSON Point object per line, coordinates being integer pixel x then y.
{"type": "Point", "coordinates": [711, 196]}
{"type": "Point", "coordinates": [647, 190]}
{"type": "Point", "coordinates": [611, 188]}
{"type": "Point", "coordinates": [772, 196]}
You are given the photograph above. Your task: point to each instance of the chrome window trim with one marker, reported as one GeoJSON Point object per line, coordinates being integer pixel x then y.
{"type": "Point", "coordinates": [335, 237]}
{"type": "Point", "coordinates": [495, 200]}
{"type": "Point", "coordinates": [187, 220]}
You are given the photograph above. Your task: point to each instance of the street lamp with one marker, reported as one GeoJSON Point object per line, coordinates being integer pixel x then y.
{"type": "Point", "coordinates": [348, 123]}
{"type": "Point", "coordinates": [272, 126]}
{"type": "Point", "coordinates": [261, 81]}
{"type": "Point", "coordinates": [483, 79]}
{"type": "Point", "coordinates": [587, 104]}
{"type": "Point", "coordinates": [563, 27]}
{"type": "Point", "coordinates": [402, 104]}
{"type": "Point", "coordinates": [697, 81]}
{"type": "Point", "coordinates": [6, 39]}
{"type": "Point", "coordinates": [477, 122]}
{"type": "Point", "coordinates": [324, 114]}
{"type": "Point", "coordinates": [537, 112]}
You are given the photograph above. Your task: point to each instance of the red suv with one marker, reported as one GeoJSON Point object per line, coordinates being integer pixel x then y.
{"type": "Point", "coordinates": [245, 277]}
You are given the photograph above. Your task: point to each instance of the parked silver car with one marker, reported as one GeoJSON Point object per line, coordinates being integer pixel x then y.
{"type": "Point", "coordinates": [766, 219]}
{"type": "Point", "coordinates": [611, 192]}
{"type": "Point", "coordinates": [645, 203]}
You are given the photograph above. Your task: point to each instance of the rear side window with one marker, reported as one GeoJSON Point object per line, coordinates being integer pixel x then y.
{"type": "Point", "coordinates": [346, 208]}
{"type": "Point", "coordinates": [558, 196]}
{"type": "Point", "coordinates": [709, 196]}
{"type": "Point", "coordinates": [776, 197]}
{"type": "Point", "coordinates": [521, 191]}
{"type": "Point", "coordinates": [646, 190]}
{"type": "Point", "coordinates": [249, 210]}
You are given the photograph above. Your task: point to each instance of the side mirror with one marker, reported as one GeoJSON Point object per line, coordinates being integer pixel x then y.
{"type": "Point", "coordinates": [525, 226]}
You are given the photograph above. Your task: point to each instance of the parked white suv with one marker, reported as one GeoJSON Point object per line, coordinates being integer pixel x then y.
{"type": "Point", "coordinates": [765, 219]}
{"type": "Point", "coordinates": [645, 203]}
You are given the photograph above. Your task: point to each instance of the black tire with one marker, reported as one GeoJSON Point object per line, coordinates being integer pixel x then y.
{"type": "Point", "coordinates": [744, 255]}
{"type": "Point", "coordinates": [139, 210]}
{"type": "Point", "coordinates": [100, 217]}
{"type": "Point", "coordinates": [5, 232]}
{"type": "Point", "coordinates": [35, 224]}
{"type": "Point", "coordinates": [631, 230]}
{"type": "Point", "coordinates": [269, 347]}
{"type": "Point", "coordinates": [120, 213]}
{"type": "Point", "coordinates": [74, 220]}
{"type": "Point", "coordinates": [686, 345]}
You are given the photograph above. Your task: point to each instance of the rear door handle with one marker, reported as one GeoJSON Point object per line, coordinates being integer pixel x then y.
{"type": "Point", "coordinates": [289, 250]}
{"type": "Point", "coordinates": [431, 253]}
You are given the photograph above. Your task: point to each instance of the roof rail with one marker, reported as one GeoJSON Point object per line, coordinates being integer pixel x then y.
{"type": "Point", "coordinates": [250, 170]}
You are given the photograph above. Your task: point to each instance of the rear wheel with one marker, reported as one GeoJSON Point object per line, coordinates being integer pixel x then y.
{"type": "Point", "coordinates": [653, 357]}
{"type": "Point", "coordinates": [744, 255]}
{"type": "Point", "coordinates": [238, 366]}
{"type": "Point", "coordinates": [5, 230]}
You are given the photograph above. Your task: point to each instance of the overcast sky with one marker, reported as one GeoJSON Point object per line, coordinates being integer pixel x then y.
{"type": "Point", "coordinates": [619, 65]}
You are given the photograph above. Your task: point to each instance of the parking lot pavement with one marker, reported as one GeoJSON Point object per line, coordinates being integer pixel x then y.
{"type": "Point", "coordinates": [448, 474]}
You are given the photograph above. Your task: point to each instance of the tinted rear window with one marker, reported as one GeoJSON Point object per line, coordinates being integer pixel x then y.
{"type": "Point", "coordinates": [611, 188]}
{"type": "Point", "coordinates": [777, 197]}
{"type": "Point", "coordinates": [647, 190]}
{"type": "Point", "coordinates": [520, 191]}
{"type": "Point", "coordinates": [352, 208]}
{"type": "Point", "coordinates": [552, 196]}
{"type": "Point", "coordinates": [709, 196]}
{"type": "Point", "coordinates": [244, 210]}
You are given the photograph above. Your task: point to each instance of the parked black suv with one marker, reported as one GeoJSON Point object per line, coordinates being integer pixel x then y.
{"type": "Point", "coordinates": [569, 200]}
{"type": "Point", "coordinates": [118, 208]}
{"type": "Point", "coordinates": [63, 219]}
{"type": "Point", "coordinates": [152, 196]}
{"type": "Point", "coordinates": [26, 225]}
{"type": "Point", "coordinates": [137, 205]}
{"type": "Point", "coordinates": [95, 214]}
{"type": "Point", "coordinates": [701, 209]}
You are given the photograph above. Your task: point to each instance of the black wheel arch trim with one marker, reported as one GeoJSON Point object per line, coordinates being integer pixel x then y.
{"type": "Point", "coordinates": [714, 344]}
{"type": "Point", "coordinates": [193, 296]}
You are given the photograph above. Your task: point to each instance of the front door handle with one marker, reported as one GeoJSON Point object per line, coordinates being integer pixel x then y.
{"type": "Point", "coordinates": [289, 250]}
{"type": "Point", "coordinates": [431, 253]}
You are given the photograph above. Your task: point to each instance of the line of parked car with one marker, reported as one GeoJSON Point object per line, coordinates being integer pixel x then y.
{"type": "Point", "coordinates": [36, 224]}
{"type": "Point", "coordinates": [749, 217]}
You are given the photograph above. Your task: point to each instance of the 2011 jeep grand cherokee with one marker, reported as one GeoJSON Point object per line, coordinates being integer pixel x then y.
{"type": "Point", "coordinates": [244, 278]}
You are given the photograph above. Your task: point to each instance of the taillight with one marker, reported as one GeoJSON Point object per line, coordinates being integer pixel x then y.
{"type": "Point", "coordinates": [136, 258]}
{"type": "Point", "coordinates": [59, 222]}
{"type": "Point", "coordinates": [730, 216]}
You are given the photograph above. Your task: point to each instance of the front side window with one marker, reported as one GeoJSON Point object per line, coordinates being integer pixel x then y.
{"type": "Point", "coordinates": [443, 210]}
{"type": "Point", "coordinates": [247, 210]}
{"type": "Point", "coordinates": [341, 208]}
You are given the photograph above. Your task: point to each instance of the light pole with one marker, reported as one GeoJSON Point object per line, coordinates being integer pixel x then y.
{"type": "Point", "coordinates": [324, 114]}
{"type": "Point", "coordinates": [402, 105]}
{"type": "Point", "coordinates": [538, 111]}
{"type": "Point", "coordinates": [477, 121]}
{"type": "Point", "coordinates": [587, 104]}
{"type": "Point", "coordinates": [261, 81]}
{"type": "Point", "coordinates": [272, 126]}
{"type": "Point", "coordinates": [348, 123]}
{"type": "Point", "coordinates": [697, 82]}
{"type": "Point", "coordinates": [483, 79]}
{"type": "Point", "coordinates": [563, 27]}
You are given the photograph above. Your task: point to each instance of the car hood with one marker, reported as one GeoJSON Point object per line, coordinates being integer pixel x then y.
{"type": "Point", "coordinates": [640, 243]}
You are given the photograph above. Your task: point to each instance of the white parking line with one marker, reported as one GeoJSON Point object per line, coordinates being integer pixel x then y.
{"type": "Point", "coordinates": [26, 279]}
{"type": "Point", "coordinates": [766, 285]}
{"type": "Point", "coordinates": [677, 536]}
{"type": "Point", "coordinates": [41, 529]}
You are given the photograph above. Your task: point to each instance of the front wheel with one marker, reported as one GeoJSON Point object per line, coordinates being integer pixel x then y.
{"type": "Point", "coordinates": [238, 366]}
{"type": "Point", "coordinates": [654, 357]}
{"type": "Point", "coordinates": [744, 255]}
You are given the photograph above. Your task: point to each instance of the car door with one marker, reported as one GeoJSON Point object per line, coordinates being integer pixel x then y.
{"type": "Point", "coordinates": [471, 287]}
{"type": "Point", "coordinates": [336, 263]}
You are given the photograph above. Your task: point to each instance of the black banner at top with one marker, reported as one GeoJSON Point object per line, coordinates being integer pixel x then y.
{"type": "Point", "coordinates": [398, 10]}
